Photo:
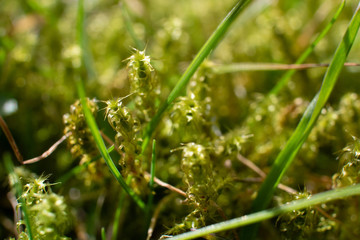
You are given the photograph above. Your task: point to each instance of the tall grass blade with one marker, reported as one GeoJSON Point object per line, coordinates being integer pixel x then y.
{"type": "Point", "coordinates": [18, 189]}
{"type": "Point", "coordinates": [247, 67]}
{"type": "Point", "coordinates": [307, 122]}
{"type": "Point", "coordinates": [151, 184]}
{"type": "Point", "coordinates": [120, 205]}
{"type": "Point", "coordinates": [286, 77]}
{"type": "Point", "coordinates": [270, 213]}
{"type": "Point", "coordinates": [204, 52]}
{"type": "Point", "coordinates": [86, 57]}
{"type": "Point", "coordinates": [103, 234]}
{"type": "Point", "coordinates": [129, 26]}
{"type": "Point", "coordinates": [101, 145]}
{"type": "Point", "coordinates": [83, 42]}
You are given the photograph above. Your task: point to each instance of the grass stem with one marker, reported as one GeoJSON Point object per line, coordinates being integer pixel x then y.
{"type": "Point", "coordinates": [18, 189]}
{"type": "Point", "coordinates": [319, 198]}
{"type": "Point", "coordinates": [307, 122]}
{"type": "Point", "coordinates": [102, 148]}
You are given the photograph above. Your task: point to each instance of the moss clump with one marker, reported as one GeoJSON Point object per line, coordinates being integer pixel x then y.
{"type": "Point", "coordinates": [48, 214]}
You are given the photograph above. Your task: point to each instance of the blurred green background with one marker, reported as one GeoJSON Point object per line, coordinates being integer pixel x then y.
{"type": "Point", "coordinates": [38, 52]}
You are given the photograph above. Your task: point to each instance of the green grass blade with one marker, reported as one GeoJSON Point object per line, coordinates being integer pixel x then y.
{"type": "Point", "coordinates": [204, 52]}
{"type": "Point", "coordinates": [18, 189]}
{"type": "Point", "coordinates": [151, 184]}
{"type": "Point", "coordinates": [120, 205]}
{"type": "Point", "coordinates": [270, 213]}
{"type": "Point", "coordinates": [129, 26]}
{"type": "Point", "coordinates": [307, 122]}
{"type": "Point", "coordinates": [86, 60]}
{"type": "Point", "coordinates": [286, 77]}
{"type": "Point", "coordinates": [103, 234]}
{"type": "Point", "coordinates": [247, 67]}
{"type": "Point", "coordinates": [101, 145]}
{"type": "Point", "coordinates": [83, 43]}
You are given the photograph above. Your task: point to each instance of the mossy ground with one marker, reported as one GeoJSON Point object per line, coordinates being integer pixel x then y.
{"type": "Point", "coordinates": [223, 114]}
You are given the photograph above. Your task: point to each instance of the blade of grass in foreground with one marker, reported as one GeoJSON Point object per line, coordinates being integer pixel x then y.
{"type": "Point", "coordinates": [204, 52]}
{"type": "Point", "coordinates": [270, 213]}
{"type": "Point", "coordinates": [284, 159]}
{"type": "Point", "coordinates": [18, 189]}
{"type": "Point", "coordinates": [87, 62]}
{"type": "Point", "coordinates": [286, 77]}
{"type": "Point", "coordinates": [101, 145]}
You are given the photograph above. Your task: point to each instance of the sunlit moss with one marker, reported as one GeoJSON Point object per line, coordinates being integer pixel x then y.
{"type": "Point", "coordinates": [48, 213]}
{"type": "Point", "coordinates": [307, 223]}
{"type": "Point", "coordinates": [216, 118]}
{"type": "Point", "coordinates": [81, 142]}
{"type": "Point", "coordinates": [142, 83]}
{"type": "Point", "coordinates": [350, 169]}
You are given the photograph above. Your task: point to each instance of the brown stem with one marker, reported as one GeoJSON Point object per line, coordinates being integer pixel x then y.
{"type": "Point", "coordinates": [155, 216]}
{"type": "Point", "coordinates": [16, 150]}
{"type": "Point", "coordinates": [256, 169]}
{"type": "Point", "coordinates": [49, 151]}
{"type": "Point", "coordinates": [251, 165]}
{"type": "Point", "coordinates": [11, 140]}
{"type": "Point", "coordinates": [166, 185]}
{"type": "Point", "coordinates": [223, 215]}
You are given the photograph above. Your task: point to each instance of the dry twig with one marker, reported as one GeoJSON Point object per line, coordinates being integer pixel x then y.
{"type": "Point", "coordinates": [16, 150]}
{"type": "Point", "coordinates": [11, 140]}
{"type": "Point", "coordinates": [49, 151]}
{"type": "Point", "coordinates": [256, 169]}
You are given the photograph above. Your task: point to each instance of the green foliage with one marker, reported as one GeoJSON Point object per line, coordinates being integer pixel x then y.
{"type": "Point", "coordinates": [306, 223]}
{"type": "Point", "coordinates": [142, 83]}
{"type": "Point", "coordinates": [307, 122]}
{"type": "Point", "coordinates": [128, 141]}
{"type": "Point", "coordinates": [80, 140]}
{"type": "Point", "coordinates": [219, 130]}
{"type": "Point", "coordinates": [127, 128]}
{"type": "Point", "coordinates": [197, 168]}
{"type": "Point", "coordinates": [349, 159]}
{"type": "Point", "coordinates": [270, 213]}
{"type": "Point", "coordinates": [47, 211]}
{"type": "Point", "coordinates": [82, 144]}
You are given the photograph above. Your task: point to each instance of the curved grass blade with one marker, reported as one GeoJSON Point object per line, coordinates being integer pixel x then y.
{"type": "Point", "coordinates": [270, 213]}
{"type": "Point", "coordinates": [101, 145]}
{"type": "Point", "coordinates": [18, 189]}
{"type": "Point", "coordinates": [286, 77]}
{"type": "Point", "coordinates": [286, 156]}
{"type": "Point", "coordinates": [204, 52]}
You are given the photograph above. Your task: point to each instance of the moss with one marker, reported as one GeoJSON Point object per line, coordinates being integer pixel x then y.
{"type": "Point", "coordinates": [216, 118]}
